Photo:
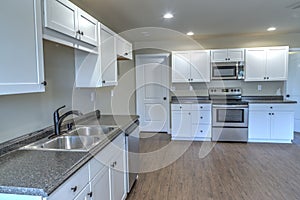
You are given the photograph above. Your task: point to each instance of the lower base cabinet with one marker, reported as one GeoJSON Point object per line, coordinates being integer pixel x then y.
{"type": "Point", "coordinates": [271, 123]}
{"type": "Point", "coordinates": [191, 122]}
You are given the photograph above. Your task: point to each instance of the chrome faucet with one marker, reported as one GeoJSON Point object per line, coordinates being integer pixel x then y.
{"type": "Point", "coordinates": [59, 119]}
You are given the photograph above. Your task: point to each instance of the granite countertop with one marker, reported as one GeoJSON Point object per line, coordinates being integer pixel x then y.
{"type": "Point", "coordinates": [39, 173]}
{"type": "Point", "coordinates": [249, 99]}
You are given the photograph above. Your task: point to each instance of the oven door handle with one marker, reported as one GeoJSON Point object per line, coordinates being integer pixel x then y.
{"type": "Point", "coordinates": [230, 106]}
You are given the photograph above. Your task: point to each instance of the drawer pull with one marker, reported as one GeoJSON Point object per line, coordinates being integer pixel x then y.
{"type": "Point", "coordinates": [201, 117]}
{"type": "Point", "coordinates": [74, 189]}
{"type": "Point", "coordinates": [90, 194]}
{"type": "Point", "coordinates": [271, 107]}
{"type": "Point", "coordinates": [201, 131]}
{"type": "Point", "coordinates": [201, 107]}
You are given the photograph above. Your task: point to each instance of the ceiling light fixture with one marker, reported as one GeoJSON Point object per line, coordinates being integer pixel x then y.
{"type": "Point", "coordinates": [190, 33]}
{"type": "Point", "coordinates": [271, 29]}
{"type": "Point", "coordinates": [168, 16]}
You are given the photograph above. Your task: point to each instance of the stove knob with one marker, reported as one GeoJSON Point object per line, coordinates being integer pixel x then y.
{"type": "Point", "coordinates": [231, 90]}
{"type": "Point", "coordinates": [238, 90]}
{"type": "Point", "coordinates": [235, 90]}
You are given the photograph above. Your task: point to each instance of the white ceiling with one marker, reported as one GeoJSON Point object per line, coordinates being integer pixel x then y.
{"type": "Point", "coordinates": [205, 18]}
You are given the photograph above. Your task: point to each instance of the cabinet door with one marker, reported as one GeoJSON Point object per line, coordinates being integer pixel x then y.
{"type": "Point", "coordinates": [108, 57]}
{"type": "Point", "coordinates": [84, 194]}
{"type": "Point", "coordinates": [100, 185]}
{"type": "Point", "coordinates": [277, 63]}
{"type": "Point", "coordinates": [235, 54]}
{"type": "Point", "coordinates": [259, 125]}
{"type": "Point", "coordinates": [181, 124]}
{"type": "Point", "coordinates": [61, 16]}
{"type": "Point", "coordinates": [219, 55]}
{"type": "Point", "coordinates": [255, 64]}
{"type": "Point", "coordinates": [181, 67]}
{"type": "Point", "coordinates": [200, 66]}
{"type": "Point", "coordinates": [88, 28]}
{"type": "Point", "coordinates": [282, 126]}
{"type": "Point", "coordinates": [124, 48]}
{"type": "Point", "coordinates": [118, 178]}
{"type": "Point", "coordinates": [21, 63]}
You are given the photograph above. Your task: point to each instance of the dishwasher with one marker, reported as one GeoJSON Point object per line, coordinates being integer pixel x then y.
{"type": "Point", "coordinates": [132, 150]}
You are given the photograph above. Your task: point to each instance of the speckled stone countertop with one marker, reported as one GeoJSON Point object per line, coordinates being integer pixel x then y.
{"type": "Point", "coordinates": [249, 99]}
{"type": "Point", "coordinates": [39, 173]}
{"type": "Point", "coordinates": [267, 99]}
{"type": "Point", "coordinates": [190, 99]}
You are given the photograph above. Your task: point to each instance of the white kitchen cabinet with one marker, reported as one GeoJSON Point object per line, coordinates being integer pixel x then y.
{"type": "Point", "coordinates": [124, 48]}
{"type": "Point", "coordinates": [73, 186]}
{"type": "Point", "coordinates": [266, 64]}
{"type": "Point", "coordinates": [191, 121]}
{"type": "Point", "coordinates": [100, 186]}
{"type": "Point", "coordinates": [108, 57]}
{"type": "Point", "coordinates": [190, 66]}
{"type": "Point", "coordinates": [227, 55]}
{"type": "Point", "coordinates": [22, 62]}
{"type": "Point", "coordinates": [65, 17]}
{"type": "Point", "coordinates": [271, 123]}
{"type": "Point", "coordinates": [117, 177]}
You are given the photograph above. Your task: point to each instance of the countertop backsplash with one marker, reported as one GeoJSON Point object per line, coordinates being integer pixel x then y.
{"type": "Point", "coordinates": [249, 88]}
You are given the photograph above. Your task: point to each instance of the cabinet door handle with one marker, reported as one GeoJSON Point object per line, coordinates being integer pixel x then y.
{"type": "Point", "coordinates": [79, 32]}
{"type": "Point", "coordinates": [269, 113]}
{"type": "Point", "coordinates": [201, 107]}
{"type": "Point", "coordinates": [271, 107]}
{"type": "Point", "coordinates": [82, 33]}
{"type": "Point", "coordinates": [201, 131]}
{"type": "Point", "coordinates": [180, 107]}
{"type": "Point", "coordinates": [74, 189]}
{"type": "Point", "coordinates": [44, 83]}
{"type": "Point", "coordinates": [272, 113]}
{"type": "Point", "coordinates": [90, 194]}
{"type": "Point", "coordinates": [126, 54]}
{"type": "Point", "coordinates": [103, 81]}
{"type": "Point", "coordinates": [201, 117]}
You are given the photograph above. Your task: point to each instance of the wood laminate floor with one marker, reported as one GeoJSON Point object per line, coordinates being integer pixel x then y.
{"type": "Point", "coordinates": [230, 171]}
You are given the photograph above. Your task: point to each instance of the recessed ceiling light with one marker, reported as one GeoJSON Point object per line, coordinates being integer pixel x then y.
{"type": "Point", "coordinates": [190, 33]}
{"type": "Point", "coordinates": [168, 16]}
{"type": "Point", "coordinates": [271, 29]}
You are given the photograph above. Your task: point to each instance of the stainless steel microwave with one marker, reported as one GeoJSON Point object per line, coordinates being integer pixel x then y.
{"type": "Point", "coordinates": [227, 71]}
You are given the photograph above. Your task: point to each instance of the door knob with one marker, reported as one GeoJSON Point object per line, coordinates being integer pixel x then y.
{"type": "Point", "coordinates": [165, 98]}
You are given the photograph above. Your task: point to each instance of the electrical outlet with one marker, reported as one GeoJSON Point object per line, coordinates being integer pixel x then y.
{"type": "Point", "coordinates": [259, 87]}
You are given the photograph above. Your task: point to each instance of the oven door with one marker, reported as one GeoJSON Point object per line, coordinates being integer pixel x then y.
{"type": "Point", "coordinates": [230, 115]}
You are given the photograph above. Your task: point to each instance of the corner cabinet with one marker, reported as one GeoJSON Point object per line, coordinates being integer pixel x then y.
{"type": "Point", "coordinates": [190, 66]}
{"type": "Point", "coordinates": [22, 62]}
{"type": "Point", "coordinates": [191, 122]}
{"type": "Point", "coordinates": [271, 123]}
{"type": "Point", "coordinates": [66, 18]}
{"type": "Point", "coordinates": [266, 64]}
{"type": "Point", "coordinates": [108, 57]}
{"type": "Point", "coordinates": [227, 55]}
{"type": "Point", "coordinates": [124, 48]}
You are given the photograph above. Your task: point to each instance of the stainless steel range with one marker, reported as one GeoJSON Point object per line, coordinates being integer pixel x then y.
{"type": "Point", "coordinates": [230, 115]}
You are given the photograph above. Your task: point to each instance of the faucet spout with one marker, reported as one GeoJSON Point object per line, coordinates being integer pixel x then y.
{"type": "Point", "coordinates": [58, 120]}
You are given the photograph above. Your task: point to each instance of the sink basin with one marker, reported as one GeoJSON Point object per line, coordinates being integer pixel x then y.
{"type": "Point", "coordinates": [91, 130]}
{"type": "Point", "coordinates": [65, 143]}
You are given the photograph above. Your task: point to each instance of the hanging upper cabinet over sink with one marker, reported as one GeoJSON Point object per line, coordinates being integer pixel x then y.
{"type": "Point", "coordinates": [21, 63]}
{"type": "Point", "coordinates": [66, 18]}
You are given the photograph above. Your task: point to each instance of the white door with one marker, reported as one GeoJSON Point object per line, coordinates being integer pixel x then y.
{"type": "Point", "coordinates": [181, 70]}
{"type": "Point", "coordinates": [277, 61]}
{"type": "Point", "coordinates": [293, 86]}
{"type": "Point", "coordinates": [200, 66]}
{"type": "Point", "coordinates": [88, 28]}
{"type": "Point", "coordinates": [255, 64]}
{"type": "Point", "coordinates": [152, 87]}
{"type": "Point", "coordinates": [61, 15]}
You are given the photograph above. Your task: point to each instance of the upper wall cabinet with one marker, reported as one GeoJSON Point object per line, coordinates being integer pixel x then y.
{"type": "Point", "coordinates": [21, 63]}
{"type": "Point", "coordinates": [190, 66]}
{"type": "Point", "coordinates": [66, 18]}
{"type": "Point", "coordinates": [266, 64]}
{"type": "Point", "coordinates": [124, 48]}
{"type": "Point", "coordinates": [108, 57]}
{"type": "Point", "coordinates": [227, 55]}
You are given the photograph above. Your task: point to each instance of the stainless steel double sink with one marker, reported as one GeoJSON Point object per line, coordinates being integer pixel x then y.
{"type": "Point", "coordinates": [81, 139]}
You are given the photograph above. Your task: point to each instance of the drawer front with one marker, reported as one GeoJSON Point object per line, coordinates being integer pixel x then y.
{"type": "Point", "coordinates": [201, 106]}
{"type": "Point", "coordinates": [106, 155]}
{"type": "Point", "coordinates": [270, 107]}
{"type": "Point", "coordinates": [203, 117]}
{"type": "Point", "coordinates": [181, 107]}
{"type": "Point", "coordinates": [73, 185]}
{"type": "Point", "coordinates": [201, 131]}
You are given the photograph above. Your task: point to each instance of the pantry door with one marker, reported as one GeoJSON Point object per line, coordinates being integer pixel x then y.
{"type": "Point", "coordinates": [152, 92]}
